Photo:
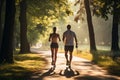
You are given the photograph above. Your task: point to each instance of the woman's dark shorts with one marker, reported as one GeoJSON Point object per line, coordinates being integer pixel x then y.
{"type": "Point", "coordinates": [69, 48]}
{"type": "Point", "coordinates": [54, 45]}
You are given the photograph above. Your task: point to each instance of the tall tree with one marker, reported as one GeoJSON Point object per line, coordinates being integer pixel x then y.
{"type": "Point", "coordinates": [90, 25]}
{"type": "Point", "coordinates": [103, 8]}
{"type": "Point", "coordinates": [6, 52]}
{"type": "Point", "coordinates": [24, 45]}
{"type": "Point", "coordinates": [1, 6]}
{"type": "Point", "coordinates": [89, 21]}
{"type": "Point", "coordinates": [115, 38]}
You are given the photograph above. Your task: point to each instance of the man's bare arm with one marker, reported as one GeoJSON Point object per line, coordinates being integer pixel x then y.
{"type": "Point", "coordinates": [76, 41]}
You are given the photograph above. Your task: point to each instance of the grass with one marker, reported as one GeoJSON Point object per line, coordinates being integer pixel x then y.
{"type": "Point", "coordinates": [87, 55]}
{"type": "Point", "coordinates": [25, 65]}
{"type": "Point", "coordinates": [102, 59]}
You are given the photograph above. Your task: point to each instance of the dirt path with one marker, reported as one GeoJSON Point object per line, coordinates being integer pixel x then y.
{"type": "Point", "coordinates": [81, 70]}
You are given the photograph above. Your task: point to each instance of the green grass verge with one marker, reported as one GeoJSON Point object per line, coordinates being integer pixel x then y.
{"type": "Point", "coordinates": [102, 59]}
{"type": "Point", "coordinates": [24, 66]}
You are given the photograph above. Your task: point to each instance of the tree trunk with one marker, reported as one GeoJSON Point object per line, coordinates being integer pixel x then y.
{"type": "Point", "coordinates": [1, 5]}
{"type": "Point", "coordinates": [24, 45]}
{"type": "Point", "coordinates": [6, 52]}
{"type": "Point", "coordinates": [115, 38]}
{"type": "Point", "coordinates": [90, 26]}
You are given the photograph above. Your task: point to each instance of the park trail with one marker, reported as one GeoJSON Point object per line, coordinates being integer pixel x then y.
{"type": "Point", "coordinates": [81, 69]}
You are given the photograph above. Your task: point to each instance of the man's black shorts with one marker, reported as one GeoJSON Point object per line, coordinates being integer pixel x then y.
{"type": "Point", "coordinates": [54, 45]}
{"type": "Point", "coordinates": [69, 48]}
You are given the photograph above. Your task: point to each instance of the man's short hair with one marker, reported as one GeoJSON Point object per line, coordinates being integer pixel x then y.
{"type": "Point", "coordinates": [68, 26]}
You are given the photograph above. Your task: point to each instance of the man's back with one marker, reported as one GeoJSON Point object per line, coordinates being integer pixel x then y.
{"type": "Point", "coordinates": [69, 37]}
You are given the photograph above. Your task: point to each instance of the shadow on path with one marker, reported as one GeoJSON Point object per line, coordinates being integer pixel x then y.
{"type": "Point", "coordinates": [68, 73]}
{"type": "Point", "coordinates": [40, 76]}
{"type": "Point", "coordinates": [81, 70]}
{"type": "Point", "coordinates": [50, 72]}
{"type": "Point", "coordinates": [87, 77]}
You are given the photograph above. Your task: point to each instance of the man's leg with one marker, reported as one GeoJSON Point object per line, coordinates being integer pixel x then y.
{"type": "Point", "coordinates": [71, 56]}
{"type": "Point", "coordinates": [66, 56]}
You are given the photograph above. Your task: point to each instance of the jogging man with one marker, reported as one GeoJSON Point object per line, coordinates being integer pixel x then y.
{"type": "Point", "coordinates": [68, 38]}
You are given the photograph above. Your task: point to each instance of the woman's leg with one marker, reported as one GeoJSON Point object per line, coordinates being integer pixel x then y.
{"type": "Point", "coordinates": [55, 55]}
{"type": "Point", "coordinates": [52, 55]}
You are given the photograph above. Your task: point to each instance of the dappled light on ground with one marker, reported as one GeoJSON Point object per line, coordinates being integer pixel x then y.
{"type": "Point", "coordinates": [81, 69]}
{"type": "Point", "coordinates": [24, 66]}
{"type": "Point", "coordinates": [38, 67]}
{"type": "Point", "coordinates": [31, 61]}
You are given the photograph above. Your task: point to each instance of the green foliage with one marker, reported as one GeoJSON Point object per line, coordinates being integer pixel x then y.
{"type": "Point", "coordinates": [33, 35]}
{"type": "Point", "coordinates": [48, 13]}
{"type": "Point", "coordinates": [81, 11]}
{"type": "Point", "coordinates": [104, 7]}
{"type": "Point", "coordinates": [40, 28]}
{"type": "Point", "coordinates": [39, 7]}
